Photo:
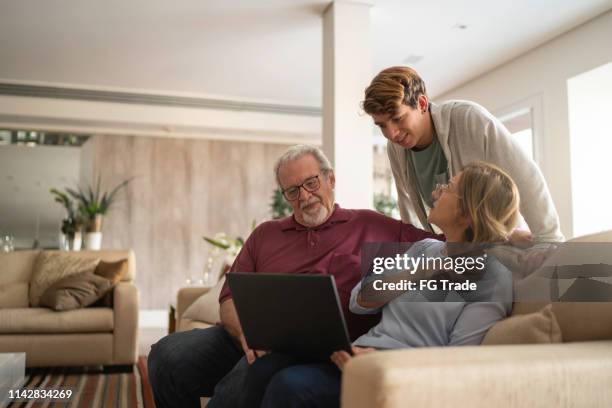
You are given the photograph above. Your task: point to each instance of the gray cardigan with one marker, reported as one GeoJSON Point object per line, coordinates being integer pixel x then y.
{"type": "Point", "coordinates": [468, 132]}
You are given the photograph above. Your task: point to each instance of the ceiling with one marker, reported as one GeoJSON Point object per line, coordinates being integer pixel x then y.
{"type": "Point", "coordinates": [269, 51]}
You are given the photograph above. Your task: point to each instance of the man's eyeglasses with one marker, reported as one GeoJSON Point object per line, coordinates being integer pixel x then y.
{"type": "Point", "coordinates": [311, 185]}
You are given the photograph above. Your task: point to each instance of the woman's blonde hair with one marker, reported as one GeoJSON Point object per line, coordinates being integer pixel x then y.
{"type": "Point", "coordinates": [391, 88]}
{"type": "Point", "coordinates": [489, 196]}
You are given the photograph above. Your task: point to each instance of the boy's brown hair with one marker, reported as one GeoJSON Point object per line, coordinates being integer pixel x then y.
{"type": "Point", "coordinates": [391, 88]}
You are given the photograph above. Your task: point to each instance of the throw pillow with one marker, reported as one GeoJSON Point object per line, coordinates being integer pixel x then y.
{"type": "Point", "coordinates": [75, 291]}
{"type": "Point", "coordinates": [206, 307]}
{"type": "Point", "coordinates": [113, 271]}
{"type": "Point", "coordinates": [532, 328]}
{"type": "Point", "coordinates": [51, 267]}
{"type": "Point", "coordinates": [14, 295]}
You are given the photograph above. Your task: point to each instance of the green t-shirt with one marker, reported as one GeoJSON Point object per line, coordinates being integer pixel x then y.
{"type": "Point", "coordinates": [431, 167]}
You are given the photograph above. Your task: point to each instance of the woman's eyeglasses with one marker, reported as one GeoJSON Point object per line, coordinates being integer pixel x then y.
{"type": "Point", "coordinates": [311, 185]}
{"type": "Point", "coordinates": [441, 189]}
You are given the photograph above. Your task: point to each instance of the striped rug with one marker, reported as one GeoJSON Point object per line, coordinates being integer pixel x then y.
{"type": "Point", "coordinates": [92, 388]}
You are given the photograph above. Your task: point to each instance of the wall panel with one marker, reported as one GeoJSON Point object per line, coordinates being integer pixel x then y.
{"type": "Point", "coordinates": [182, 189]}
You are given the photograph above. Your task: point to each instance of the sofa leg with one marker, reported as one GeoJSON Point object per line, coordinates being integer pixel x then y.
{"type": "Point", "coordinates": [117, 369]}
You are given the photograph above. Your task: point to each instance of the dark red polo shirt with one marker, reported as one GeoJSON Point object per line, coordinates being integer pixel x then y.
{"type": "Point", "coordinates": [285, 246]}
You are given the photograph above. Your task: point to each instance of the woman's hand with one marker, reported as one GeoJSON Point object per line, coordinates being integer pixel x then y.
{"type": "Point", "coordinates": [521, 238]}
{"type": "Point", "coordinates": [340, 358]}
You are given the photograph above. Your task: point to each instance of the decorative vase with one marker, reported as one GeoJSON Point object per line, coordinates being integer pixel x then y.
{"type": "Point", "coordinates": [94, 224]}
{"type": "Point", "coordinates": [63, 242]}
{"type": "Point", "coordinates": [73, 243]}
{"type": "Point", "coordinates": [93, 241]}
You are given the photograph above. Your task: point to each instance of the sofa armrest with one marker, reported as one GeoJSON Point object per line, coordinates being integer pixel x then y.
{"type": "Point", "coordinates": [186, 296]}
{"type": "Point", "coordinates": [567, 374]}
{"type": "Point", "coordinates": [125, 313]}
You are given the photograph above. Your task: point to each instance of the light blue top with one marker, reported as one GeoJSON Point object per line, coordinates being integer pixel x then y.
{"type": "Point", "coordinates": [410, 320]}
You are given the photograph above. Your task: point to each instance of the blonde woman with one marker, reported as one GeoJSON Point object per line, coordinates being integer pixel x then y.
{"type": "Point", "coordinates": [430, 143]}
{"type": "Point", "coordinates": [478, 207]}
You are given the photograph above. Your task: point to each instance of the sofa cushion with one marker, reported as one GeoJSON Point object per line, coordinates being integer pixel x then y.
{"type": "Point", "coordinates": [17, 266]}
{"type": "Point", "coordinates": [14, 295]}
{"type": "Point", "coordinates": [51, 266]}
{"type": "Point", "coordinates": [584, 321]}
{"type": "Point", "coordinates": [75, 291]}
{"type": "Point", "coordinates": [532, 328]}
{"type": "Point", "coordinates": [42, 320]}
{"type": "Point", "coordinates": [579, 321]}
{"type": "Point", "coordinates": [206, 307]}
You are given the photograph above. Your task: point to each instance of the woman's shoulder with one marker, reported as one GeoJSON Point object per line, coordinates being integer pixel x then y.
{"type": "Point", "coordinates": [433, 247]}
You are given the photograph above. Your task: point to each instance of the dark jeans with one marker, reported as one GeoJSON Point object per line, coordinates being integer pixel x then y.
{"type": "Point", "coordinates": [199, 363]}
{"type": "Point", "coordinates": [278, 380]}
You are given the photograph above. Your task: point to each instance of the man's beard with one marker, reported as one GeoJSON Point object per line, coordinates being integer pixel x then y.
{"type": "Point", "coordinates": [317, 218]}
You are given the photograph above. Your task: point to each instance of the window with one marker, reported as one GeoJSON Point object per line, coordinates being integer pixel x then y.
{"type": "Point", "coordinates": [590, 103]}
{"type": "Point", "coordinates": [519, 123]}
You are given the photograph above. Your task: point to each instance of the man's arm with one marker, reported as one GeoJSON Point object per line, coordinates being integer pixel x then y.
{"type": "Point", "coordinates": [498, 147]}
{"type": "Point", "coordinates": [229, 318]}
{"type": "Point", "coordinates": [245, 262]}
{"type": "Point", "coordinates": [231, 323]}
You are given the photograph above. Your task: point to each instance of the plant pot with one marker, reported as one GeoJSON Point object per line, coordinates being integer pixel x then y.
{"type": "Point", "coordinates": [62, 241]}
{"type": "Point", "coordinates": [93, 241]}
{"type": "Point", "coordinates": [71, 243]}
{"type": "Point", "coordinates": [94, 224]}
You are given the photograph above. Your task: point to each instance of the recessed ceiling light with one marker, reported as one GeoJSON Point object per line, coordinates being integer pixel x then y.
{"type": "Point", "coordinates": [460, 26]}
{"type": "Point", "coordinates": [412, 59]}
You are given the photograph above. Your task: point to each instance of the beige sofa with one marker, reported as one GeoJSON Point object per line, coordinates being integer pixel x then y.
{"type": "Point", "coordinates": [575, 373]}
{"type": "Point", "coordinates": [89, 336]}
{"type": "Point", "coordinates": [185, 297]}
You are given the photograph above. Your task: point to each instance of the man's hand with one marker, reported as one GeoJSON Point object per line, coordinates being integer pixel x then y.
{"type": "Point", "coordinates": [250, 354]}
{"type": "Point", "coordinates": [230, 322]}
{"type": "Point", "coordinates": [340, 358]}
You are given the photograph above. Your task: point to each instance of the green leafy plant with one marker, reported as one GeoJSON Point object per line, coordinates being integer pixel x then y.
{"type": "Point", "coordinates": [73, 222]}
{"type": "Point", "coordinates": [92, 201]}
{"type": "Point", "coordinates": [384, 204]}
{"type": "Point", "coordinates": [223, 241]}
{"type": "Point", "coordinates": [279, 207]}
{"type": "Point", "coordinates": [230, 245]}
{"type": "Point", "coordinates": [64, 200]}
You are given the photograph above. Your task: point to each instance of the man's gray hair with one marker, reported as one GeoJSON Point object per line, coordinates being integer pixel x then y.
{"type": "Point", "coordinates": [299, 151]}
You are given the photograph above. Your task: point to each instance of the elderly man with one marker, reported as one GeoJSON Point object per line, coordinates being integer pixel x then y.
{"type": "Point", "coordinates": [319, 238]}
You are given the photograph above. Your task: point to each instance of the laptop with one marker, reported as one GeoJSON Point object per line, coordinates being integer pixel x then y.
{"type": "Point", "coordinates": [297, 314]}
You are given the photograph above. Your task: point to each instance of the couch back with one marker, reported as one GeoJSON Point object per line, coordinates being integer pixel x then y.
{"type": "Point", "coordinates": [17, 266]}
{"type": "Point", "coordinates": [580, 321]}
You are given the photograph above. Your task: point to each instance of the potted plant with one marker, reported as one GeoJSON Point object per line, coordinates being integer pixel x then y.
{"type": "Point", "coordinates": [93, 205]}
{"type": "Point", "coordinates": [279, 207]}
{"type": "Point", "coordinates": [70, 238]}
{"type": "Point", "coordinates": [224, 249]}
{"type": "Point", "coordinates": [385, 204]}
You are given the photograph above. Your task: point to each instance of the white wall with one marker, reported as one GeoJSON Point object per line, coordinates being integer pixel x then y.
{"type": "Point", "coordinates": [26, 175]}
{"type": "Point", "coordinates": [542, 75]}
